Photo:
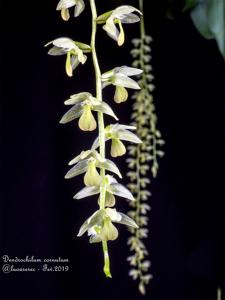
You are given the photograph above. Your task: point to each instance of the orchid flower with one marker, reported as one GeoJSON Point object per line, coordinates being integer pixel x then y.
{"type": "Point", "coordinates": [64, 6]}
{"type": "Point", "coordinates": [100, 227]}
{"type": "Point", "coordinates": [73, 50]}
{"type": "Point", "coordinates": [122, 14]}
{"type": "Point", "coordinates": [83, 105]}
{"type": "Point", "coordinates": [116, 133]}
{"type": "Point", "coordinates": [120, 78]}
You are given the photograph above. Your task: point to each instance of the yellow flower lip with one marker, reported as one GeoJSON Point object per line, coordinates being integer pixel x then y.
{"type": "Point", "coordinates": [121, 37]}
{"type": "Point", "coordinates": [87, 121]}
{"type": "Point", "coordinates": [92, 177]}
{"type": "Point", "coordinates": [69, 69]}
{"type": "Point", "coordinates": [64, 6]}
{"type": "Point", "coordinates": [121, 94]}
{"type": "Point", "coordinates": [65, 14]}
{"type": "Point", "coordinates": [110, 200]}
{"type": "Point", "coordinates": [109, 231]}
{"type": "Point", "coordinates": [117, 148]}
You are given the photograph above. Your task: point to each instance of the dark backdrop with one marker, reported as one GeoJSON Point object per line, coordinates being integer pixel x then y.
{"type": "Point", "coordinates": [39, 216]}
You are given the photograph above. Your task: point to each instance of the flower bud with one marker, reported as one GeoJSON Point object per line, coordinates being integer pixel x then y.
{"type": "Point", "coordinates": [87, 121]}
{"type": "Point", "coordinates": [121, 94]}
{"type": "Point", "coordinates": [117, 148]}
{"type": "Point", "coordinates": [92, 177]}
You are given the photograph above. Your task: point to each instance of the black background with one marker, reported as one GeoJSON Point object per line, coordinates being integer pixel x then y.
{"type": "Point", "coordinates": [39, 216]}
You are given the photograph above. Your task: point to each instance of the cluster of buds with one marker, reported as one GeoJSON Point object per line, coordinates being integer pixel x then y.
{"type": "Point", "coordinates": [142, 160]}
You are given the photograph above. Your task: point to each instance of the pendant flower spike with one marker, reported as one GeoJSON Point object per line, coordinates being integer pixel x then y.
{"type": "Point", "coordinates": [97, 171]}
{"type": "Point", "coordinates": [74, 51]}
{"type": "Point", "coordinates": [120, 78]}
{"type": "Point", "coordinates": [122, 14]}
{"type": "Point", "coordinates": [64, 6]}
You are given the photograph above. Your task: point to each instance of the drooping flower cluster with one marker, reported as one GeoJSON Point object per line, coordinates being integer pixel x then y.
{"type": "Point", "coordinates": [90, 109]}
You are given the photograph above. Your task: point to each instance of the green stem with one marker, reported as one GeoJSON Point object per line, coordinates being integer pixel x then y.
{"type": "Point", "coordinates": [142, 36]}
{"type": "Point", "coordinates": [106, 259]}
{"type": "Point", "coordinates": [138, 199]}
{"type": "Point", "coordinates": [101, 125]}
{"type": "Point", "coordinates": [139, 129]}
{"type": "Point", "coordinates": [138, 203]}
{"type": "Point", "coordinates": [142, 23]}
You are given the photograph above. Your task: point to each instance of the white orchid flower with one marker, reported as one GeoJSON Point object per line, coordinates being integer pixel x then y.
{"type": "Point", "coordinates": [74, 51]}
{"type": "Point", "coordinates": [120, 78]}
{"type": "Point", "coordinates": [122, 14]}
{"type": "Point", "coordinates": [64, 6]}
{"type": "Point", "coordinates": [100, 225]}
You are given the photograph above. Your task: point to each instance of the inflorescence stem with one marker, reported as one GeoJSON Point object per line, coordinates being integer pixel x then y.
{"type": "Point", "coordinates": [142, 23]}
{"type": "Point", "coordinates": [101, 126]}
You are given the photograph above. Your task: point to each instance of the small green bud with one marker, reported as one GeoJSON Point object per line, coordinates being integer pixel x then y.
{"type": "Point", "coordinates": [121, 94]}
{"type": "Point", "coordinates": [92, 177]}
{"type": "Point", "coordinates": [117, 148]}
{"type": "Point", "coordinates": [87, 121]}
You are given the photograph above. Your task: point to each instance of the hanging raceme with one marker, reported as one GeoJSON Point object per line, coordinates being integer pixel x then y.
{"type": "Point", "coordinates": [89, 109]}
{"type": "Point", "coordinates": [142, 159]}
